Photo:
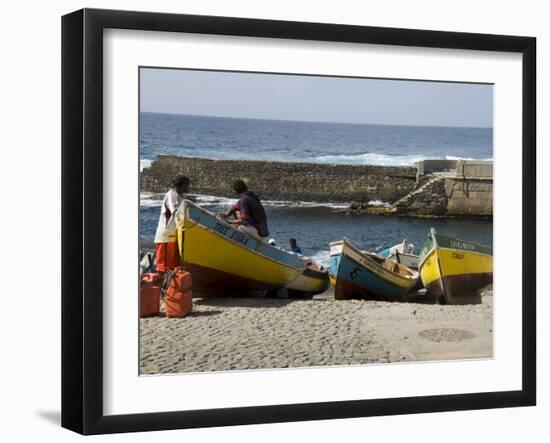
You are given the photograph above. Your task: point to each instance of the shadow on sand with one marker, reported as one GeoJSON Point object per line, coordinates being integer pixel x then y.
{"type": "Point", "coordinates": [203, 313]}
{"type": "Point", "coordinates": [242, 302]}
{"type": "Point", "coordinates": [193, 313]}
{"type": "Point", "coordinates": [421, 297]}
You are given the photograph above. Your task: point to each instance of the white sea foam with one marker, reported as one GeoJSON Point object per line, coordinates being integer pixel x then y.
{"type": "Point", "coordinates": [302, 204]}
{"type": "Point", "coordinates": [370, 158]}
{"type": "Point", "coordinates": [149, 199]}
{"type": "Point", "coordinates": [377, 203]}
{"type": "Point", "coordinates": [144, 163]}
{"type": "Point", "coordinates": [322, 258]}
{"type": "Point", "coordinates": [452, 157]}
{"type": "Point", "coordinates": [211, 200]}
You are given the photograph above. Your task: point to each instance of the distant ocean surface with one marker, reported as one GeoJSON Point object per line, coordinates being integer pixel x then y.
{"type": "Point", "coordinates": [315, 225]}
{"type": "Point", "coordinates": [238, 138]}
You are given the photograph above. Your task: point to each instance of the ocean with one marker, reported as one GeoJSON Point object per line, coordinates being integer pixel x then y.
{"type": "Point", "coordinates": [315, 225]}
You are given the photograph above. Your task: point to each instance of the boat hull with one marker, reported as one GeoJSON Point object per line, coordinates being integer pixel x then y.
{"type": "Point", "coordinates": [360, 276]}
{"type": "Point", "coordinates": [209, 282]}
{"type": "Point", "coordinates": [460, 289]}
{"type": "Point", "coordinates": [455, 276]}
{"type": "Point", "coordinates": [335, 257]}
{"type": "Point", "coordinates": [310, 282]}
{"type": "Point", "coordinates": [224, 261]}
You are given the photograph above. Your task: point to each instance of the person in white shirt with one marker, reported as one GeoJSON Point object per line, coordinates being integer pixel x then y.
{"type": "Point", "coordinates": [166, 242]}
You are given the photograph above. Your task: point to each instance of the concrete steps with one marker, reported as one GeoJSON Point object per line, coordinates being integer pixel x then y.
{"type": "Point", "coordinates": [405, 199]}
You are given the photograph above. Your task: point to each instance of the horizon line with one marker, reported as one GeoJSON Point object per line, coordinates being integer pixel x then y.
{"type": "Point", "coordinates": [316, 121]}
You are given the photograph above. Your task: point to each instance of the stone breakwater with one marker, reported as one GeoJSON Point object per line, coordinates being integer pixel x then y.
{"type": "Point", "coordinates": [432, 188]}
{"type": "Point", "coordinates": [273, 180]}
{"type": "Point", "coordinates": [444, 188]}
{"type": "Point", "coordinates": [450, 196]}
{"type": "Point", "coordinates": [450, 188]}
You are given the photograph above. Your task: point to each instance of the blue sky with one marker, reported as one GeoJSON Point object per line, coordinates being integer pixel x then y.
{"type": "Point", "coordinates": [309, 98]}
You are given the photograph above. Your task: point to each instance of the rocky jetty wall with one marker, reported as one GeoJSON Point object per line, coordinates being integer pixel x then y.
{"type": "Point", "coordinates": [466, 189]}
{"type": "Point", "coordinates": [274, 180]}
{"type": "Point", "coordinates": [448, 197]}
{"type": "Point", "coordinates": [435, 188]}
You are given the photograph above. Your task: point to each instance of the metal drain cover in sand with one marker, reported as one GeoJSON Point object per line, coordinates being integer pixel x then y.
{"type": "Point", "coordinates": [446, 334]}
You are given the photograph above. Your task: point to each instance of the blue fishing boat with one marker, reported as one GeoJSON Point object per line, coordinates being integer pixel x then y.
{"type": "Point", "coordinates": [335, 257]}
{"type": "Point", "coordinates": [359, 274]}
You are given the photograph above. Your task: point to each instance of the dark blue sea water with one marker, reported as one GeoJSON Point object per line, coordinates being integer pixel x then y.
{"type": "Point", "coordinates": [315, 225]}
{"type": "Point", "coordinates": [238, 138]}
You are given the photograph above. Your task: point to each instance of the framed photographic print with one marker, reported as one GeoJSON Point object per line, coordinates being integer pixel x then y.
{"type": "Point", "coordinates": [268, 221]}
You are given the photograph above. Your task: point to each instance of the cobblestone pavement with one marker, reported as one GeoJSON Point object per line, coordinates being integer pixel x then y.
{"type": "Point", "coordinates": [239, 333]}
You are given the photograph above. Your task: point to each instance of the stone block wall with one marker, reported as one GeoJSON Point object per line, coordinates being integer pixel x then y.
{"type": "Point", "coordinates": [293, 181]}
{"type": "Point", "coordinates": [469, 193]}
{"type": "Point", "coordinates": [429, 166]}
{"type": "Point", "coordinates": [475, 169]}
{"type": "Point", "coordinates": [469, 197]}
{"type": "Point", "coordinates": [453, 197]}
{"type": "Point", "coordinates": [430, 201]}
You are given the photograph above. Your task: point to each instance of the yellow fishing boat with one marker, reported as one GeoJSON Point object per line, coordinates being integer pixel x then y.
{"type": "Point", "coordinates": [455, 271]}
{"type": "Point", "coordinates": [226, 261]}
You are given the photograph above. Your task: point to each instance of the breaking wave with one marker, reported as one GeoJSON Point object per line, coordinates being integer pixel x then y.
{"type": "Point", "coordinates": [152, 200]}
{"type": "Point", "coordinates": [369, 158]}
{"type": "Point", "coordinates": [377, 203]}
{"type": "Point", "coordinates": [144, 163]}
{"type": "Point", "coordinates": [322, 258]}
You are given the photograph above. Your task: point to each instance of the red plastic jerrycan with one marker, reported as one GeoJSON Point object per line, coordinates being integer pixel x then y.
{"type": "Point", "coordinates": [149, 293]}
{"type": "Point", "coordinates": [178, 297]}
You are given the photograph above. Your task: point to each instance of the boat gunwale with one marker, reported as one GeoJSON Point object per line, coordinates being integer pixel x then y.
{"type": "Point", "coordinates": [433, 234]}
{"type": "Point", "coordinates": [476, 244]}
{"type": "Point", "coordinates": [436, 247]}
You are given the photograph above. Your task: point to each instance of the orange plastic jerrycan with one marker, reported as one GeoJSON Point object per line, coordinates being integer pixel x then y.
{"type": "Point", "coordinates": [149, 293]}
{"type": "Point", "coordinates": [178, 298]}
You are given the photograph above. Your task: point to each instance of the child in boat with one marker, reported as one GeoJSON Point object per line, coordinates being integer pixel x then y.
{"type": "Point", "coordinates": [166, 244]}
{"type": "Point", "coordinates": [294, 246]}
{"type": "Point", "coordinates": [250, 213]}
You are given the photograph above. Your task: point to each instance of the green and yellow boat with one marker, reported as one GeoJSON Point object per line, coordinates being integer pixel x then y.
{"type": "Point", "coordinates": [455, 271]}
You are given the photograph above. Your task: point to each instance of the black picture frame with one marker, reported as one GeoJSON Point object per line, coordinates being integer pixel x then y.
{"type": "Point", "coordinates": [82, 187]}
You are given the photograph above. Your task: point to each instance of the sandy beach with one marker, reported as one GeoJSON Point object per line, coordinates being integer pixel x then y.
{"type": "Point", "coordinates": [224, 334]}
